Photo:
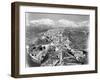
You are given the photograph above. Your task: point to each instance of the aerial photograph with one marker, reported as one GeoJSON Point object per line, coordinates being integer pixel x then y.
{"type": "Point", "coordinates": [56, 39]}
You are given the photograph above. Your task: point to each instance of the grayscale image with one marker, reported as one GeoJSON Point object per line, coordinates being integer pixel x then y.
{"type": "Point", "coordinates": [56, 39]}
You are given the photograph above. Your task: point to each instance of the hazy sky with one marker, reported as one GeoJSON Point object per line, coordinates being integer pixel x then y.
{"type": "Point", "coordinates": [72, 17]}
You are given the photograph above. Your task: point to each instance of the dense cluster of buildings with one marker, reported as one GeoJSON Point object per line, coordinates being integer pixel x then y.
{"type": "Point", "coordinates": [55, 49]}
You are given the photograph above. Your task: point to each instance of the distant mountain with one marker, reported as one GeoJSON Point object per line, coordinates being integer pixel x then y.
{"type": "Point", "coordinates": [84, 23]}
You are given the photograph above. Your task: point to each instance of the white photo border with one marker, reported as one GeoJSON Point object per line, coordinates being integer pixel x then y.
{"type": "Point", "coordinates": [40, 70]}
